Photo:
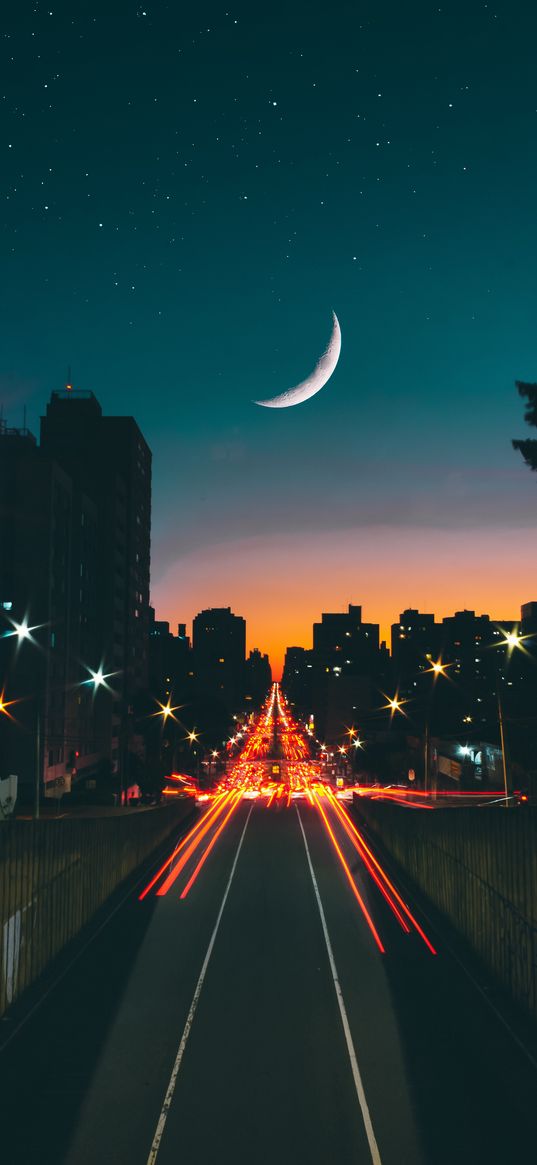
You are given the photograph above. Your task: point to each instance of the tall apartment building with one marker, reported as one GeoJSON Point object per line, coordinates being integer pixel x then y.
{"type": "Point", "coordinates": [416, 643]}
{"type": "Point", "coordinates": [219, 643]}
{"type": "Point", "coordinates": [257, 678]}
{"type": "Point", "coordinates": [348, 665]}
{"type": "Point", "coordinates": [85, 493]}
{"type": "Point", "coordinates": [343, 644]}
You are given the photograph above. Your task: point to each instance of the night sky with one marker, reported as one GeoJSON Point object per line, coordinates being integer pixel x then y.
{"type": "Point", "coordinates": [187, 193]}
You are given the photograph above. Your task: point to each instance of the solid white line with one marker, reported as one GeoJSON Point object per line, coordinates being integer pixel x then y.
{"type": "Point", "coordinates": [157, 1139]}
{"type": "Point", "coordinates": [373, 1147]}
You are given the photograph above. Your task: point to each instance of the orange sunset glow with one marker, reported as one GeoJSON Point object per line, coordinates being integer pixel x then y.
{"type": "Point", "coordinates": [281, 585]}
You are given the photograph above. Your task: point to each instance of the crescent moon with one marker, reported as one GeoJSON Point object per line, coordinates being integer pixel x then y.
{"type": "Point", "coordinates": [315, 381]}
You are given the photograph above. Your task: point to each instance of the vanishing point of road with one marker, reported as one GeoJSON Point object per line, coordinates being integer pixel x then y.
{"type": "Point", "coordinates": [256, 1020]}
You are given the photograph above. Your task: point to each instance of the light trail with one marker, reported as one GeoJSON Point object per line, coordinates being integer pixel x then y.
{"type": "Point", "coordinates": [177, 850]}
{"type": "Point", "coordinates": [174, 874]}
{"type": "Point", "coordinates": [377, 791]}
{"type": "Point", "coordinates": [212, 842]}
{"type": "Point", "coordinates": [362, 845]}
{"type": "Point", "coordinates": [350, 878]}
{"type": "Point", "coordinates": [271, 735]}
{"type": "Point", "coordinates": [375, 876]}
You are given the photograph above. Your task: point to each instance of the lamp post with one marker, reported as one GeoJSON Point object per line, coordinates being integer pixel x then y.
{"type": "Point", "coordinates": [394, 705]}
{"type": "Point", "coordinates": [193, 738]}
{"type": "Point", "coordinates": [512, 640]}
{"type": "Point", "coordinates": [213, 757]}
{"type": "Point", "coordinates": [166, 712]}
{"type": "Point", "coordinates": [23, 631]}
{"type": "Point", "coordinates": [437, 669]}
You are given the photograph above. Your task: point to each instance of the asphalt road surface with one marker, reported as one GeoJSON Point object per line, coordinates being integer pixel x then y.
{"type": "Point", "coordinates": [256, 1021]}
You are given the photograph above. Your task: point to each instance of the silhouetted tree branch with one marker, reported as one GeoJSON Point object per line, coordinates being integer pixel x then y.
{"type": "Point", "coordinates": [528, 448]}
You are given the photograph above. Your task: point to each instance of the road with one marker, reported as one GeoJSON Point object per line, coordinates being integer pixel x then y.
{"type": "Point", "coordinates": [267, 1071]}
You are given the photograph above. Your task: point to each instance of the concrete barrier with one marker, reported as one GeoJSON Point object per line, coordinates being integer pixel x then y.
{"type": "Point", "coordinates": [54, 875]}
{"type": "Point", "coordinates": [479, 868]}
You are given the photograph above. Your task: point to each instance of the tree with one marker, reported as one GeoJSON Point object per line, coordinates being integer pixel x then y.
{"type": "Point", "coordinates": [528, 448]}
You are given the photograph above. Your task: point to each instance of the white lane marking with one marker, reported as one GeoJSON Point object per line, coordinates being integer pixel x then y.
{"type": "Point", "coordinates": [157, 1139]}
{"type": "Point", "coordinates": [373, 1147]}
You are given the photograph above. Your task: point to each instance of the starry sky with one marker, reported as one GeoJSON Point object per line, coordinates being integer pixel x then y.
{"type": "Point", "coordinates": [187, 193]}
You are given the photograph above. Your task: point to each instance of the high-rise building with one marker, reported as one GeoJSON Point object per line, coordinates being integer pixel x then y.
{"type": "Point", "coordinates": [108, 460]}
{"type": "Point", "coordinates": [37, 666]}
{"type": "Point", "coordinates": [75, 555]}
{"type": "Point", "coordinates": [257, 678]}
{"type": "Point", "coordinates": [219, 643]}
{"type": "Point", "coordinates": [297, 679]}
{"type": "Point", "coordinates": [345, 645]}
{"type": "Point", "coordinates": [171, 665]}
{"type": "Point", "coordinates": [348, 666]}
{"type": "Point", "coordinates": [416, 640]}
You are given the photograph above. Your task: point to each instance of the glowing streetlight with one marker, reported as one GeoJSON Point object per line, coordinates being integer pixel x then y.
{"type": "Point", "coordinates": [512, 639]}
{"type": "Point", "coordinates": [98, 678]}
{"type": "Point", "coordinates": [22, 630]}
{"type": "Point", "coordinates": [5, 705]}
{"type": "Point", "coordinates": [438, 668]}
{"type": "Point", "coordinates": [394, 704]}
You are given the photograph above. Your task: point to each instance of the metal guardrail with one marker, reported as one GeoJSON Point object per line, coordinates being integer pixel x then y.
{"type": "Point", "coordinates": [54, 875]}
{"type": "Point", "coordinates": [480, 870]}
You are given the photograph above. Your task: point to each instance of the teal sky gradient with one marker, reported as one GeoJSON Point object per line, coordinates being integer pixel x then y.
{"type": "Point", "coordinates": [188, 194]}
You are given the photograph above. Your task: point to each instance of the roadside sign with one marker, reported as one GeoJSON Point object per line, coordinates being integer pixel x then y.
{"type": "Point", "coordinates": [58, 786]}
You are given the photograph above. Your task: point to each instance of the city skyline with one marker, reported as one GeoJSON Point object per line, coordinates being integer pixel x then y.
{"type": "Point", "coordinates": [276, 614]}
{"type": "Point", "coordinates": [268, 554]}
{"type": "Point", "coordinates": [204, 208]}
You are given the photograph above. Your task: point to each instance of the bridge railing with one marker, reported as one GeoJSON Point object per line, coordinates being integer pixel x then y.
{"type": "Point", "coordinates": [54, 874]}
{"type": "Point", "coordinates": [479, 868]}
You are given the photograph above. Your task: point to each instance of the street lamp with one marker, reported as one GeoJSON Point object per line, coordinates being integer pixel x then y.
{"type": "Point", "coordinates": [511, 641]}
{"type": "Point", "coordinates": [394, 704]}
{"type": "Point", "coordinates": [437, 669]}
{"type": "Point", "coordinates": [98, 678]}
{"type": "Point", "coordinates": [22, 631]}
{"type": "Point", "coordinates": [5, 705]}
{"type": "Point", "coordinates": [193, 738]}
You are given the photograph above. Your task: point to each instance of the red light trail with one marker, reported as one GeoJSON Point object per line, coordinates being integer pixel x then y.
{"type": "Point", "coordinates": [270, 760]}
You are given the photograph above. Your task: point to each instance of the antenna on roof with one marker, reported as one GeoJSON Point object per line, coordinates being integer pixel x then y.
{"type": "Point", "coordinates": [69, 385]}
